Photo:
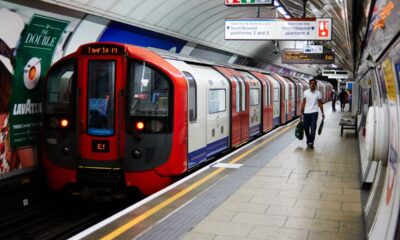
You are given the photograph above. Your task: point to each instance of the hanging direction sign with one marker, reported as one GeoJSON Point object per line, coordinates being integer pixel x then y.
{"type": "Point", "coordinates": [297, 56]}
{"type": "Point", "coordinates": [248, 2]}
{"type": "Point", "coordinates": [278, 29]}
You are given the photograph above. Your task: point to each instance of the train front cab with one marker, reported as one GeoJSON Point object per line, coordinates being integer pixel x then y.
{"type": "Point", "coordinates": [109, 119]}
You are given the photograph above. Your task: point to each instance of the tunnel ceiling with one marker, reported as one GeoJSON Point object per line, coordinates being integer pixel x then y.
{"type": "Point", "coordinates": [202, 22]}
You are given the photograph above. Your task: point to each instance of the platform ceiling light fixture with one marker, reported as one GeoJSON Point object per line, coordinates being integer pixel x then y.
{"type": "Point", "coordinates": [281, 9]}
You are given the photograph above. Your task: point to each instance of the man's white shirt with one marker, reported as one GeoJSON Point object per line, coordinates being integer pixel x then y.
{"type": "Point", "coordinates": [311, 100]}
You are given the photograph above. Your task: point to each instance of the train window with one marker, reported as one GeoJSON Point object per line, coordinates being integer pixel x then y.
{"type": "Point", "coordinates": [59, 87]}
{"type": "Point", "coordinates": [266, 94]}
{"type": "Point", "coordinates": [243, 94]}
{"type": "Point", "coordinates": [254, 96]}
{"type": "Point", "coordinates": [101, 82]}
{"type": "Point", "coordinates": [237, 97]}
{"type": "Point", "coordinates": [216, 100]}
{"type": "Point", "coordinates": [276, 94]}
{"type": "Point", "coordinates": [148, 91]}
{"type": "Point", "coordinates": [242, 89]}
{"type": "Point", "coordinates": [192, 97]}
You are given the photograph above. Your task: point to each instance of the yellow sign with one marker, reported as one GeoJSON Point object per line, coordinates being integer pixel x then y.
{"type": "Point", "coordinates": [389, 79]}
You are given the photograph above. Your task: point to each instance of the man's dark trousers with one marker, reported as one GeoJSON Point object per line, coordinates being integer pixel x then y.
{"type": "Point", "coordinates": [310, 126]}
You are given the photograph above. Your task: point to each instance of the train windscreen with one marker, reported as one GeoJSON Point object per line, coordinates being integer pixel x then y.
{"type": "Point", "coordinates": [148, 92]}
{"type": "Point", "coordinates": [101, 84]}
{"type": "Point", "coordinates": [59, 87]}
{"type": "Point", "coordinates": [148, 97]}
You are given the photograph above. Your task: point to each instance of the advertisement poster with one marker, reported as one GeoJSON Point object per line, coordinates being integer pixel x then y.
{"type": "Point", "coordinates": [25, 56]}
{"type": "Point", "coordinates": [383, 27]}
{"type": "Point", "coordinates": [37, 44]}
{"type": "Point", "coordinates": [8, 40]}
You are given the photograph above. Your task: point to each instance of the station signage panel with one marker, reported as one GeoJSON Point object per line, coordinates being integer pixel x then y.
{"type": "Point", "coordinates": [297, 56]}
{"type": "Point", "coordinates": [248, 2]}
{"type": "Point", "coordinates": [278, 29]}
{"type": "Point", "coordinates": [313, 49]}
{"type": "Point", "coordinates": [335, 74]}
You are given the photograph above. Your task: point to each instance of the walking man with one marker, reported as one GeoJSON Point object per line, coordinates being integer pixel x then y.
{"type": "Point", "coordinates": [309, 110]}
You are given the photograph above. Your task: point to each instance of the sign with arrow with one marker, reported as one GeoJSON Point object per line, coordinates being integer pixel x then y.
{"type": "Point", "coordinates": [278, 29]}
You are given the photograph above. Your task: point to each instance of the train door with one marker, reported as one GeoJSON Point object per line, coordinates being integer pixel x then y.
{"type": "Point", "coordinates": [276, 98]}
{"type": "Point", "coordinates": [101, 81]}
{"type": "Point", "coordinates": [239, 127]}
{"type": "Point", "coordinates": [284, 98]}
{"type": "Point", "coordinates": [292, 98]}
{"type": "Point", "coordinates": [255, 104]}
{"type": "Point", "coordinates": [267, 106]}
{"type": "Point", "coordinates": [244, 89]}
{"type": "Point", "coordinates": [297, 96]}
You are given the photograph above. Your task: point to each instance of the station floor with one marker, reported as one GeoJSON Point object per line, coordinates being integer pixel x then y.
{"type": "Point", "coordinates": [277, 189]}
{"type": "Point", "coordinates": [299, 194]}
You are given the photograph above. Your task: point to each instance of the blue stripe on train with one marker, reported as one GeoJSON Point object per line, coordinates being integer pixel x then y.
{"type": "Point", "coordinates": [210, 150]}
{"type": "Point", "coordinates": [254, 130]}
{"type": "Point", "coordinates": [277, 121]}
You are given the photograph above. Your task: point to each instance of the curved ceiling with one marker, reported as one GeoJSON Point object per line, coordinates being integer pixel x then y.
{"type": "Point", "coordinates": [202, 22]}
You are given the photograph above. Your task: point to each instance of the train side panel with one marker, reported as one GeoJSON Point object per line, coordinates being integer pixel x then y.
{"type": "Point", "coordinates": [197, 115]}
{"type": "Point", "coordinates": [217, 102]}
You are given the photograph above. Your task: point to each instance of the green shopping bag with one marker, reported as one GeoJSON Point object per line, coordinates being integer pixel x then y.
{"type": "Point", "coordinates": [299, 131]}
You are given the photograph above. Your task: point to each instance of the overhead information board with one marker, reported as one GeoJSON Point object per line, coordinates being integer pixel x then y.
{"type": "Point", "coordinates": [278, 29]}
{"type": "Point", "coordinates": [297, 56]}
{"type": "Point", "coordinates": [248, 2]}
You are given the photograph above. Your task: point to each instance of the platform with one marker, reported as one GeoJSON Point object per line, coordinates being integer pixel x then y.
{"type": "Point", "coordinates": [275, 188]}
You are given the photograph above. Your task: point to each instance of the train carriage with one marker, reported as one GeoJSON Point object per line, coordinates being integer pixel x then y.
{"type": "Point", "coordinates": [119, 116]}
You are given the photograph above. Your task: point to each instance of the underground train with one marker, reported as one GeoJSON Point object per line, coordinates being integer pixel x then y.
{"type": "Point", "coordinates": [123, 116]}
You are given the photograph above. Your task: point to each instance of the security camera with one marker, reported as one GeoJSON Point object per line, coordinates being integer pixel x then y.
{"type": "Point", "coordinates": [276, 51]}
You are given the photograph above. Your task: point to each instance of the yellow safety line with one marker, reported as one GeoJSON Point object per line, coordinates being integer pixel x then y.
{"type": "Point", "coordinates": [165, 203]}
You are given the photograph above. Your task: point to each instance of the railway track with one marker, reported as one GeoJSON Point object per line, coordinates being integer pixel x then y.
{"type": "Point", "coordinates": [57, 217]}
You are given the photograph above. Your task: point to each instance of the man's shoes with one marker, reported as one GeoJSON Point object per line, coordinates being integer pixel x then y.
{"type": "Point", "coordinates": [310, 145]}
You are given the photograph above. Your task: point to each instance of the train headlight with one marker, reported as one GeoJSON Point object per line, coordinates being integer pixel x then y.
{"type": "Point", "coordinates": [136, 154]}
{"type": "Point", "coordinates": [64, 123]}
{"type": "Point", "coordinates": [139, 125]}
{"type": "Point", "coordinates": [66, 151]}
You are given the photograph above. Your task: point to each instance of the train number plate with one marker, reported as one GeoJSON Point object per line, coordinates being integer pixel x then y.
{"type": "Point", "coordinates": [100, 146]}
